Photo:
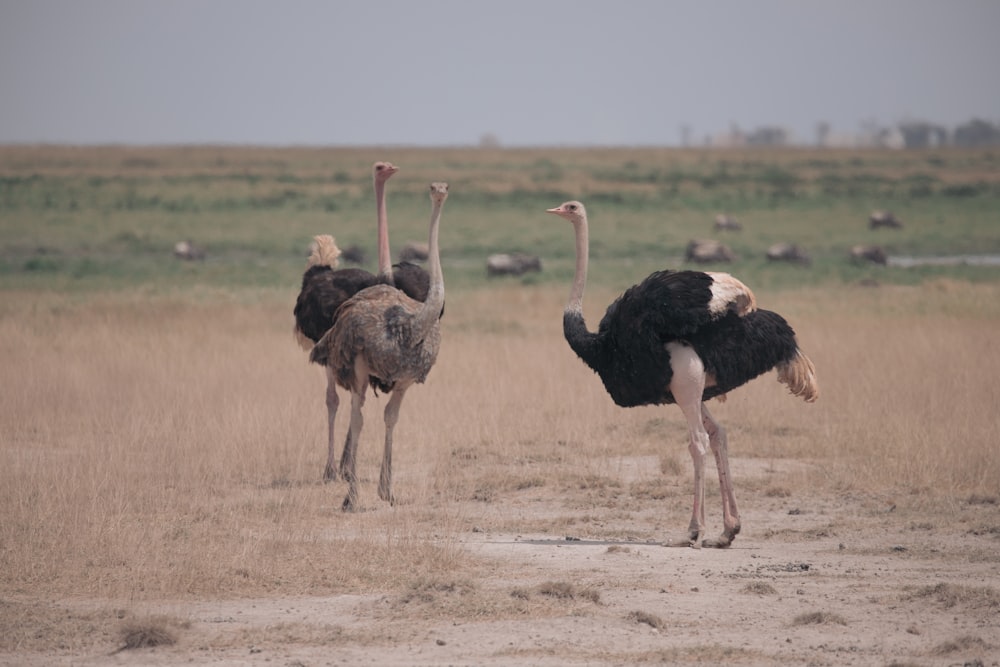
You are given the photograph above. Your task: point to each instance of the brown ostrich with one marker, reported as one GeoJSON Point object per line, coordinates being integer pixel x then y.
{"type": "Point", "coordinates": [385, 339]}
{"type": "Point", "coordinates": [325, 288]}
{"type": "Point", "coordinates": [684, 337]}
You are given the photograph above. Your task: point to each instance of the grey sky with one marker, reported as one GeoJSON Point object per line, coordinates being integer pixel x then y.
{"type": "Point", "coordinates": [445, 72]}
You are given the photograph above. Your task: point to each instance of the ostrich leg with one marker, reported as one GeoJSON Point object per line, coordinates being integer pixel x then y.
{"type": "Point", "coordinates": [687, 385]}
{"type": "Point", "coordinates": [332, 403]}
{"type": "Point", "coordinates": [699, 449]}
{"type": "Point", "coordinates": [348, 465]}
{"type": "Point", "coordinates": [391, 417]}
{"type": "Point", "coordinates": [730, 513]}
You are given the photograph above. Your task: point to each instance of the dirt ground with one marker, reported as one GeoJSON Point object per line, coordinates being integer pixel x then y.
{"type": "Point", "coordinates": [818, 579]}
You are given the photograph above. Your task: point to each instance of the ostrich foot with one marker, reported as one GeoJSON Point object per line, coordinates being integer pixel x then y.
{"type": "Point", "coordinates": [350, 503]}
{"type": "Point", "coordinates": [329, 474]}
{"type": "Point", "coordinates": [722, 541]}
{"type": "Point", "coordinates": [386, 494]}
{"type": "Point", "coordinates": [689, 540]}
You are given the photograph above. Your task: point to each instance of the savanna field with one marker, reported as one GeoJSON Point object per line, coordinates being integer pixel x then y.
{"type": "Point", "coordinates": [163, 436]}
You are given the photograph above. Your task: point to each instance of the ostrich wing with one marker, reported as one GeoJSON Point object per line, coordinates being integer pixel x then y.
{"type": "Point", "coordinates": [378, 325]}
{"type": "Point", "coordinates": [667, 305]}
{"type": "Point", "coordinates": [630, 352]}
{"type": "Point", "coordinates": [323, 291]}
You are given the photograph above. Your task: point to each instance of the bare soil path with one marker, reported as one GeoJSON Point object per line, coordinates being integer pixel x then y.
{"type": "Point", "coordinates": [821, 580]}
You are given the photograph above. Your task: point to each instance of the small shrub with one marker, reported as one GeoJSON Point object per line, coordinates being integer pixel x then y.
{"type": "Point", "coordinates": [565, 591]}
{"type": "Point", "coordinates": [759, 588]}
{"type": "Point", "coordinates": [819, 618]}
{"type": "Point", "coordinates": [964, 643]}
{"type": "Point", "coordinates": [147, 633]}
{"type": "Point", "coordinates": [652, 620]}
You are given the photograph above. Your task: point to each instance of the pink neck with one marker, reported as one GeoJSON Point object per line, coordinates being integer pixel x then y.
{"type": "Point", "coordinates": [430, 311]}
{"type": "Point", "coordinates": [575, 303]}
{"type": "Point", "coordinates": [384, 254]}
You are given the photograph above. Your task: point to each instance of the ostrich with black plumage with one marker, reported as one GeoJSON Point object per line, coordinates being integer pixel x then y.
{"type": "Point", "coordinates": [684, 337]}
{"type": "Point", "coordinates": [325, 288]}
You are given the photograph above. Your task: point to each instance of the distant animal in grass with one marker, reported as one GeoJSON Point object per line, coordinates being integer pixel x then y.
{"type": "Point", "coordinates": [728, 223]}
{"type": "Point", "coordinates": [384, 339]}
{"type": "Point", "coordinates": [354, 254]}
{"type": "Point", "coordinates": [884, 219]}
{"type": "Point", "coordinates": [414, 251]}
{"type": "Point", "coordinates": [188, 251]}
{"type": "Point", "coordinates": [869, 253]}
{"type": "Point", "coordinates": [512, 264]}
{"type": "Point", "coordinates": [788, 252]}
{"type": "Point", "coordinates": [684, 337]}
{"type": "Point", "coordinates": [708, 251]}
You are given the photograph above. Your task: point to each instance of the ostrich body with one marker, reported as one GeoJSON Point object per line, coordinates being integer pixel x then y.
{"type": "Point", "coordinates": [384, 339]}
{"type": "Point", "coordinates": [325, 288]}
{"type": "Point", "coordinates": [684, 337]}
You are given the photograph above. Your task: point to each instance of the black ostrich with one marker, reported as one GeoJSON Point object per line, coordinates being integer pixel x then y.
{"type": "Point", "coordinates": [684, 337]}
{"type": "Point", "coordinates": [325, 288]}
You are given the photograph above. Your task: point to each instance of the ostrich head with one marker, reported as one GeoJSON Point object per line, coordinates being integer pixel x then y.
{"type": "Point", "coordinates": [383, 170]}
{"type": "Point", "coordinates": [439, 192]}
{"type": "Point", "coordinates": [571, 210]}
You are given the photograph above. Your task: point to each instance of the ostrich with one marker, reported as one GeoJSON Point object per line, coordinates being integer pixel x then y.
{"type": "Point", "coordinates": [325, 288]}
{"type": "Point", "coordinates": [684, 337]}
{"type": "Point", "coordinates": [383, 338]}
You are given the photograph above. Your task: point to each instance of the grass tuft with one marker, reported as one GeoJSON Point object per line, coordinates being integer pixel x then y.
{"type": "Point", "coordinates": [759, 588]}
{"type": "Point", "coordinates": [960, 644]}
{"type": "Point", "coordinates": [819, 618]}
{"type": "Point", "coordinates": [148, 633]}
{"type": "Point", "coordinates": [565, 591]}
{"type": "Point", "coordinates": [652, 620]}
{"type": "Point", "coordinates": [951, 595]}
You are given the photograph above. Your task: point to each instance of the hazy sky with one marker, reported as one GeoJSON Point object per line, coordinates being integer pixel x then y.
{"type": "Point", "coordinates": [446, 72]}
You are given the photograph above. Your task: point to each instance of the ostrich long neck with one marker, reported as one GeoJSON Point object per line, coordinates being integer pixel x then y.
{"type": "Point", "coordinates": [575, 303]}
{"type": "Point", "coordinates": [384, 254]}
{"type": "Point", "coordinates": [430, 311]}
{"type": "Point", "coordinates": [583, 342]}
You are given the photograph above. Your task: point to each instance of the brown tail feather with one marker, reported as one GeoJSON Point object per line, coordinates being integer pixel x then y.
{"type": "Point", "coordinates": [799, 375]}
{"type": "Point", "coordinates": [302, 339]}
{"type": "Point", "coordinates": [325, 252]}
{"type": "Point", "coordinates": [320, 353]}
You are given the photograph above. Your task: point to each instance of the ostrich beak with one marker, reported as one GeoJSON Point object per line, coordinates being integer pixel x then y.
{"type": "Point", "coordinates": [556, 210]}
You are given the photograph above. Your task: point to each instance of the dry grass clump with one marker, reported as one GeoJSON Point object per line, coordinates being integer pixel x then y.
{"type": "Point", "coordinates": [759, 588]}
{"type": "Point", "coordinates": [951, 595]}
{"type": "Point", "coordinates": [652, 620]}
{"type": "Point", "coordinates": [429, 589]}
{"type": "Point", "coordinates": [618, 549]}
{"type": "Point", "coordinates": [43, 625]}
{"type": "Point", "coordinates": [566, 591]}
{"type": "Point", "coordinates": [706, 654]}
{"type": "Point", "coordinates": [819, 618]}
{"type": "Point", "coordinates": [149, 632]}
{"type": "Point", "coordinates": [960, 644]}
{"type": "Point", "coordinates": [444, 597]}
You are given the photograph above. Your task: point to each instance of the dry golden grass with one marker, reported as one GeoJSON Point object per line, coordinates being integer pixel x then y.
{"type": "Point", "coordinates": [172, 448]}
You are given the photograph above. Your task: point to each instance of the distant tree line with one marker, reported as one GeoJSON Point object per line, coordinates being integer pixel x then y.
{"type": "Point", "coordinates": [976, 132]}
{"type": "Point", "coordinates": [906, 134]}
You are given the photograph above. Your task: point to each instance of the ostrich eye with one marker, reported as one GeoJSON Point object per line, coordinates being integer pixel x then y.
{"type": "Point", "coordinates": [572, 207]}
{"type": "Point", "coordinates": [380, 167]}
